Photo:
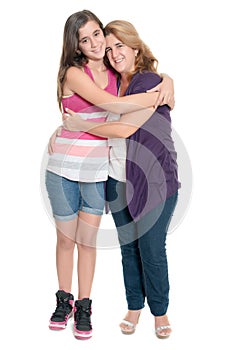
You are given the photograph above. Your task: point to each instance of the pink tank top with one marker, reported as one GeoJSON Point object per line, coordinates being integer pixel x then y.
{"type": "Point", "coordinates": [81, 156]}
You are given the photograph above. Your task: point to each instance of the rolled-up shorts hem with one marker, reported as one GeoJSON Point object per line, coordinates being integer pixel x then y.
{"type": "Point", "coordinates": [66, 218]}
{"type": "Point", "coordinates": [74, 216]}
{"type": "Point", "coordinates": [92, 211]}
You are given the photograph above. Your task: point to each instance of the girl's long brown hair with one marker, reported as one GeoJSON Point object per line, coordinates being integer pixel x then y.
{"type": "Point", "coordinates": [71, 56]}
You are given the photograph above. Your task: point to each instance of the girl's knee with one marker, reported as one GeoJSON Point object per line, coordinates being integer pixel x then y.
{"type": "Point", "coordinates": [65, 243]}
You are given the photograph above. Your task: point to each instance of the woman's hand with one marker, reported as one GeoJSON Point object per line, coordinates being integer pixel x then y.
{"type": "Point", "coordinates": [71, 120]}
{"type": "Point", "coordinates": [166, 91]}
{"type": "Point", "coordinates": [51, 143]}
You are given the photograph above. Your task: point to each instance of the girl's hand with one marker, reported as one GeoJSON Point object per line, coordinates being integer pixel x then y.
{"type": "Point", "coordinates": [52, 139]}
{"type": "Point", "coordinates": [166, 92]}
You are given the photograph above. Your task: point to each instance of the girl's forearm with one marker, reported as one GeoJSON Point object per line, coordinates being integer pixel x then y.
{"type": "Point", "coordinates": [81, 84]}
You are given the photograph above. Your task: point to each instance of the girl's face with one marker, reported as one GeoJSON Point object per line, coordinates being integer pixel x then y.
{"type": "Point", "coordinates": [92, 41]}
{"type": "Point", "coordinates": [121, 57]}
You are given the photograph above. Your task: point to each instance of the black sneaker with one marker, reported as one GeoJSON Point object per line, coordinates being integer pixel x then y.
{"type": "Point", "coordinates": [63, 311]}
{"type": "Point", "coordinates": [82, 320]}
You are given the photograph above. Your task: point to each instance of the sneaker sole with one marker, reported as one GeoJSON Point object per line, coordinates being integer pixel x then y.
{"type": "Point", "coordinates": [59, 326]}
{"type": "Point", "coordinates": [56, 327]}
{"type": "Point", "coordinates": [82, 335]}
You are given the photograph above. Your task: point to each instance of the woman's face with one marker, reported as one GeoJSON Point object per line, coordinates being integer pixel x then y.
{"type": "Point", "coordinates": [92, 41]}
{"type": "Point", "coordinates": [121, 57]}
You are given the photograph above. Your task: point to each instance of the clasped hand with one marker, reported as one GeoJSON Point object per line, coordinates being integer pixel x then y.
{"type": "Point", "coordinates": [71, 120]}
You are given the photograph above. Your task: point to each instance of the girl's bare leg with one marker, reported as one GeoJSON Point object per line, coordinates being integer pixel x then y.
{"type": "Point", "coordinates": [86, 242]}
{"type": "Point", "coordinates": [64, 253]}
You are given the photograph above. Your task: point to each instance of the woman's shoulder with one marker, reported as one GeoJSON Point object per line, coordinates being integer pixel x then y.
{"type": "Point", "coordinates": [144, 81]}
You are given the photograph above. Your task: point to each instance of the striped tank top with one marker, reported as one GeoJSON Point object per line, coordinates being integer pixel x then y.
{"type": "Point", "coordinates": [80, 156]}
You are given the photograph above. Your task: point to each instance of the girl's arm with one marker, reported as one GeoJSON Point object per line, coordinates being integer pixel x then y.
{"type": "Point", "coordinates": [80, 83]}
{"type": "Point", "coordinates": [125, 127]}
{"type": "Point", "coordinates": [166, 91]}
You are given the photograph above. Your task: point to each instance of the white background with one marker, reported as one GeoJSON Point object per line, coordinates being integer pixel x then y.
{"type": "Point", "coordinates": [193, 41]}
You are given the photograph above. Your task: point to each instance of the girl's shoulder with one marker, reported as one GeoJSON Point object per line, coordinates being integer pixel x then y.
{"type": "Point", "coordinates": [73, 72]}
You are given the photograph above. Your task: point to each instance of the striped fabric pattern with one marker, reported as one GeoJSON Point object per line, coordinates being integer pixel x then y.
{"type": "Point", "coordinates": [80, 156]}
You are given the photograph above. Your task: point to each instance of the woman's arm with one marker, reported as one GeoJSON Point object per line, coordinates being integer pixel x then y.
{"type": "Point", "coordinates": [80, 83]}
{"type": "Point", "coordinates": [128, 123]}
{"type": "Point", "coordinates": [125, 127]}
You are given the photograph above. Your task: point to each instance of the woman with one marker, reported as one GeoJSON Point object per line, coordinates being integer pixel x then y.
{"type": "Point", "coordinates": [143, 215]}
{"type": "Point", "coordinates": [78, 168]}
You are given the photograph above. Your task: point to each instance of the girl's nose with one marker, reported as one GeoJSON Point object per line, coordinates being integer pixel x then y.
{"type": "Point", "coordinates": [93, 42]}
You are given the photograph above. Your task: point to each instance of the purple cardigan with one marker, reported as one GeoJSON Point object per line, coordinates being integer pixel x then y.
{"type": "Point", "coordinates": [151, 167]}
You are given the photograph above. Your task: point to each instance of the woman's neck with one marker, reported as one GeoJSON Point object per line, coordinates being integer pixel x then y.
{"type": "Point", "coordinates": [123, 85]}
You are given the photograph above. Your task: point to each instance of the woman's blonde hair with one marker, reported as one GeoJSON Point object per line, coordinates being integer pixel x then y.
{"type": "Point", "coordinates": [127, 34]}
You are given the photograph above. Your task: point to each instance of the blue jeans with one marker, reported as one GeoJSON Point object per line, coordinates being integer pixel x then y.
{"type": "Point", "coordinates": [144, 258]}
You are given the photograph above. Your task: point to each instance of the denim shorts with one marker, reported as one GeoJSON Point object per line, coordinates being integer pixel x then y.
{"type": "Point", "coordinates": [68, 197]}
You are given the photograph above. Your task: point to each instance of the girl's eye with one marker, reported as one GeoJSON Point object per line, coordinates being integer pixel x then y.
{"type": "Point", "coordinates": [108, 49]}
